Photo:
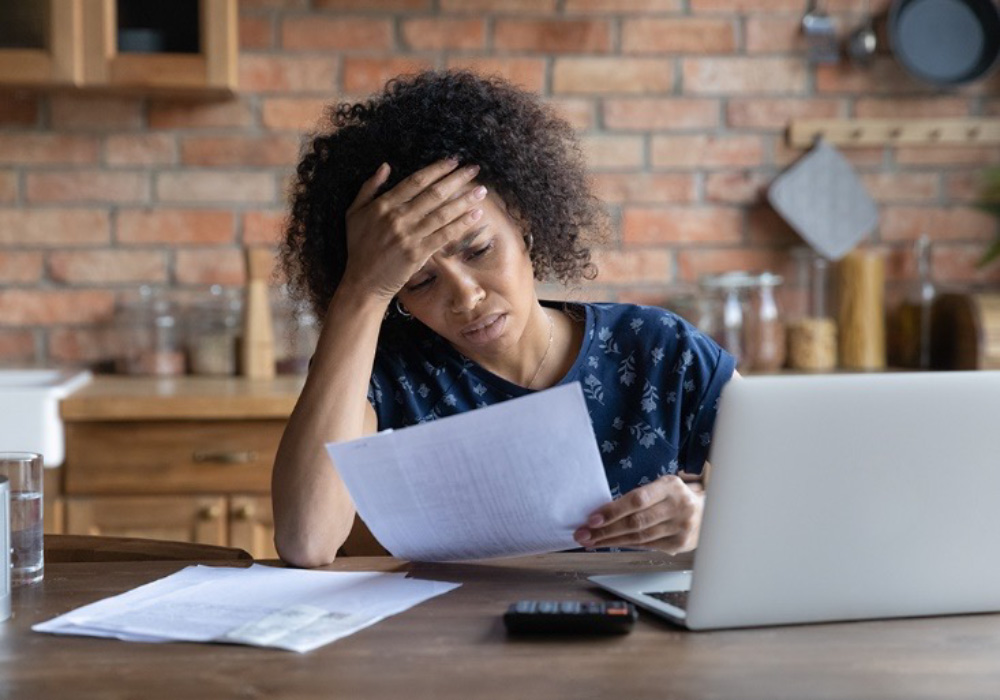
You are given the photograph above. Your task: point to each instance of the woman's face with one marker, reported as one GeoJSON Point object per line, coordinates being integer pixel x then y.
{"type": "Point", "coordinates": [479, 293]}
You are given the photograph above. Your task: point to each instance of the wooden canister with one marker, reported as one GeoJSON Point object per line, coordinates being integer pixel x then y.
{"type": "Point", "coordinates": [861, 310]}
{"type": "Point", "coordinates": [965, 331]}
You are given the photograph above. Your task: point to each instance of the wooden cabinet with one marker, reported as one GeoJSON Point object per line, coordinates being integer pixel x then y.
{"type": "Point", "coordinates": [181, 459]}
{"type": "Point", "coordinates": [187, 46]}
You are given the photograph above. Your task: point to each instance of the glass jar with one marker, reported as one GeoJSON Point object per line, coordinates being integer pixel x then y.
{"type": "Point", "coordinates": [765, 328]}
{"type": "Point", "coordinates": [213, 331]}
{"type": "Point", "coordinates": [724, 311]}
{"type": "Point", "coordinates": [149, 329]}
{"type": "Point", "coordinates": [811, 327]}
{"type": "Point", "coordinates": [296, 331]}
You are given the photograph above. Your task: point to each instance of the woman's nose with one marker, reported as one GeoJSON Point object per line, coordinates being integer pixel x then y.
{"type": "Point", "coordinates": [465, 292]}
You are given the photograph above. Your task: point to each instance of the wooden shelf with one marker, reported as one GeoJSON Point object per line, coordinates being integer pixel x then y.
{"type": "Point", "coordinates": [803, 133]}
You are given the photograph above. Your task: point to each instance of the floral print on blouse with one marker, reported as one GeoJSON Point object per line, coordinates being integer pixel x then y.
{"type": "Point", "coordinates": [652, 383]}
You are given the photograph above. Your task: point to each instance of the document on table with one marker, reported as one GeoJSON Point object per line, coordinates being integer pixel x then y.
{"type": "Point", "coordinates": [265, 606]}
{"type": "Point", "coordinates": [514, 478]}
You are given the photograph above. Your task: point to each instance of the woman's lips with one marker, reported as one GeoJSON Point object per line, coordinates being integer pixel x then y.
{"type": "Point", "coordinates": [485, 330]}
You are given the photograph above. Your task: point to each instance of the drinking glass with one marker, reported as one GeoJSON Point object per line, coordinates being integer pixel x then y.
{"type": "Point", "coordinates": [24, 472]}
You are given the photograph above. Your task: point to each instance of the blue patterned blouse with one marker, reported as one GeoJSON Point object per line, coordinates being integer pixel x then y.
{"type": "Point", "coordinates": [651, 380]}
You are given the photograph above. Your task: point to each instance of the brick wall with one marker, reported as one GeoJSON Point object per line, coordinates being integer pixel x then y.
{"type": "Point", "coordinates": [680, 106]}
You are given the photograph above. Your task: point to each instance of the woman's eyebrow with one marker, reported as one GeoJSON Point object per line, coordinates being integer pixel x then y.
{"type": "Point", "coordinates": [453, 249]}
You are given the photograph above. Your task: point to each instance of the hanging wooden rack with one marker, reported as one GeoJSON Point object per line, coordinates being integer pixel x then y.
{"type": "Point", "coordinates": [803, 133]}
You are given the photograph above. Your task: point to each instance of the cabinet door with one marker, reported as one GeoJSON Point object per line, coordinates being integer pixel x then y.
{"type": "Point", "coordinates": [41, 42]}
{"type": "Point", "coordinates": [207, 62]}
{"type": "Point", "coordinates": [182, 519]}
{"type": "Point", "coordinates": [251, 526]}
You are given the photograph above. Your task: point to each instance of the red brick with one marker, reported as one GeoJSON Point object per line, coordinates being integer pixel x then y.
{"type": "Point", "coordinates": [367, 75]}
{"type": "Point", "coordinates": [37, 149]}
{"type": "Point", "coordinates": [911, 108]}
{"type": "Point", "coordinates": [53, 227]}
{"type": "Point", "coordinates": [652, 114]}
{"type": "Point", "coordinates": [198, 115]}
{"type": "Point", "coordinates": [856, 6]}
{"type": "Point", "coordinates": [441, 33]}
{"type": "Point", "coordinates": [263, 227]}
{"type": "Point", "coordinates": [902, 187]}
{"type": "Point", "coordinates": [240, 150]}
{"type": "Point", "coordinates": [738, 187]}
{"type": "Point", "coordinates": [746, 6]}
{"type": "Point", "coordinates": [694, 264]}
{"type": "Point", "coordinates": [256, 32]}
{"type": "Point", "coordinates": [612, 75]}
{"type": "Point", "coordinates": [107, 266]}
{"type": "Point", "coordinates": [174, 226]}
{"type": "Point", "coordinates": [99, 345]}
{"type": "Point", "coordinates": [706, 151]}
{"type": "Point", "coordinates": [8, 186]}
{"type": "Point", "coordinates": [681, 226]}
{"type": "Point", "coordinates": [498, 6]}
{"type": "Point", "coordinates": [20, 268]}
{"type": "Point", "coordinates": [18, 109]}
{"type": "Point", "coordinates": [883, 76]}
{"type": "Point", "coordinates": [293, 113]}
{"type": "Point", "coordinates": [774, 34]}
{"type": "Point", "coordinates": [678, 35]}
{"type": "Point", "coordinates": [46, 307]}
{"type": "Point", "coordinates": [863, 157]}
{"type": "Point", "coordinates": [315, 32]}
{"type": "Point", "coordinates": [604, 152]}
{"type": "Point", "coordinates": [633, 266]}
{"type": "Point", "coordinates": [616, 6]}
{"type": "Point", "coordinates": [372, 5]}
{"type": "Point", "coordinates": [552, 36]}
{"type": "Point", "coordinates": [528, 73]}
{"type": "Point", "coordinates": [646, 188]}
{"type": "Point", "coordinates": [98, 113]}
{"type": "Point", "coordinates": [964, 186]}
{"type": "Point", "coordinates": [17, 347]}
{"type": "Point", "coordinates": [765, 227]}
{"type": "Point", "coordinates": [212, 266]}
{"type": "Point", "coordinates": [140, 149]}
{"type": "Point", "coordinates": [269, 73]}
{"type": "Point", "coordinates": [231, 186]}
{"type": "Point", "coordinates": [955, 223]}
{"type": "Point", "coordinates": [960, 264]}
{"type": "Point", "coordinates": [743, 76]}
{"type": "Point", "coordinates": [86, 186]}
{"type": "Point", "coordinates": [579, 112]}
{"type": "Point", "coordinates": [775, 113]}
{"type": "Point", "coordinates": [948, 155]}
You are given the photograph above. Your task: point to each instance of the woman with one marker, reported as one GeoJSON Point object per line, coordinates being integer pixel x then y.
{"type": "Point", "coordinates": [419, 223]}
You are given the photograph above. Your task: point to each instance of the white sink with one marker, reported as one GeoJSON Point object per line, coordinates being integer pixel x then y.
{"type": "Point", "coordinates": [29, 410]}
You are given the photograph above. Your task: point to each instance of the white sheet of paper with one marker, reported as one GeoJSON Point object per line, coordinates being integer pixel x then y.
{"type": "Point", "coordinates": [263, 606]}
{"type": "Point", "coordinates": [510, 479]}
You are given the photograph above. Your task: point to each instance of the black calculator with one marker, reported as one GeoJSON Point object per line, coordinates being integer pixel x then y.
{"type": "Point", "coordinates": [570, 617]}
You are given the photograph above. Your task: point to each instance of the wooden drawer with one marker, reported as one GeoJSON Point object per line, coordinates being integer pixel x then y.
{"type": "Point", "coordinates": [179, 518]}
{"type": "Point", "coordinates": [174, 456]}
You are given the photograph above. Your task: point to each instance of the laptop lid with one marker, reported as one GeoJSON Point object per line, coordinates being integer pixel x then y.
{"type": "Point", "coordinates": [838, 497]}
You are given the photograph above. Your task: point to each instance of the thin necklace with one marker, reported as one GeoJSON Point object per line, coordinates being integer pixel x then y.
{"type": "Point", "coordinates": [545, 356]}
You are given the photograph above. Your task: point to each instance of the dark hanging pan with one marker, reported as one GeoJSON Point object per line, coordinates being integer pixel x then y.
{"type": "Point", "coordinates": [945, 42]}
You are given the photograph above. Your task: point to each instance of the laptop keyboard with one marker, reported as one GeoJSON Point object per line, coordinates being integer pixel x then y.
{"type": "Point", "coordinates": [679, 599]}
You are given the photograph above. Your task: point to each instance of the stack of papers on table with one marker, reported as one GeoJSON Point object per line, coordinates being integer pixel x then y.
{"type": "Point", "coordinates": [261, 606]}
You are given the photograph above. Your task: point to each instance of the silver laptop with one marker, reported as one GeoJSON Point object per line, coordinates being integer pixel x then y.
{"type": "Point", "coordinates": [843, 497]}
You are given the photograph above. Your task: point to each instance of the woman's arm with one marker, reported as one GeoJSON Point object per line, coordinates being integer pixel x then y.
{"type": "Point", "coordinates": [313, 512]}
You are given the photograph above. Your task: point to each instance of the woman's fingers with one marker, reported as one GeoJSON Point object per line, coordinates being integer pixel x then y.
{"type": "Point", "coordinates": [417, 182]}
{"type": "Point", "coordinates": [370, 188]}
{"type": "Point", "coordinates": [636, 500]}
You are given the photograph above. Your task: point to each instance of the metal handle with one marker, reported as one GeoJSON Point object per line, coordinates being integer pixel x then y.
{"type": "Point", "coordinates": [225, 456]}
{"type": "Point", "coordinates": [210, 512]}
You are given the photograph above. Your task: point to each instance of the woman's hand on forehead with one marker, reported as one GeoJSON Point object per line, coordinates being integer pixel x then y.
{"type": "Point", "coordinates": [392, 235]}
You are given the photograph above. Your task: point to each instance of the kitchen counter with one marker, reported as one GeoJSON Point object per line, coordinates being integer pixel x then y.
{"type": "Point", "coordinates": [117, 398]}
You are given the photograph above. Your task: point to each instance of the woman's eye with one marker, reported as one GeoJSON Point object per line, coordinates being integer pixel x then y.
{"type": "Point", "coordinates": [481, 251]}
{"type": "Point", "coordinates": [422, 284]}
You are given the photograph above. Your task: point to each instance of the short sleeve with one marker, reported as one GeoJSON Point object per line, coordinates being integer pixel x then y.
{"type": "Point", "coordinates": [705, 368]}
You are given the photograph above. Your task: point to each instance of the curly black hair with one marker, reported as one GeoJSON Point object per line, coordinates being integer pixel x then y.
{"type": "Point", "coordinates": [527, 155]}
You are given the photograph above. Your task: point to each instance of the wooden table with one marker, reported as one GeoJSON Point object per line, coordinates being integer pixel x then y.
{"type": "Point", "coordinates": [454, 646]}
